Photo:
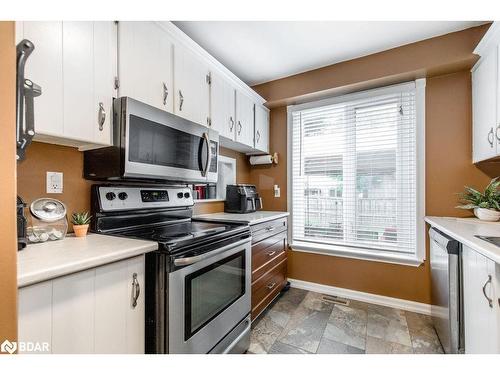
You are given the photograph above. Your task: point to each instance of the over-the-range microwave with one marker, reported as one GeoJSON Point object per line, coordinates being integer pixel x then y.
{"type": "Point", "coordinates": [152, 144]}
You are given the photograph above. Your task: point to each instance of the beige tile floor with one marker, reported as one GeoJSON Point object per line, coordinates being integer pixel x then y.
{"type": "Point", "coordinates": [301, 322]}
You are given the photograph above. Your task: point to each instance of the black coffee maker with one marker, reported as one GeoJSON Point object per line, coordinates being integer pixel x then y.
{"type": "Point", "coordinates": [21, 224]}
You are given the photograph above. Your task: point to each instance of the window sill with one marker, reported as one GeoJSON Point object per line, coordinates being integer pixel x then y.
{"type": "Point", "coordinates": [345, 252]}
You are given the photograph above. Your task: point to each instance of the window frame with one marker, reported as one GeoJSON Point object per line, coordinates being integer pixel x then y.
{"type": "Point", "coordinates": [357, 253]}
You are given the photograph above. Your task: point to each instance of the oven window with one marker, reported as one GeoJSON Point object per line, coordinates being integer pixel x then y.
{"type": "Point", "coordinates": [157, 144]}
{"type": "Point", "coordinates": [211, 290]}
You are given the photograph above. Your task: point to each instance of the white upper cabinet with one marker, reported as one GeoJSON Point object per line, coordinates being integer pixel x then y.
{"type": "Point", "coordinates": [244, 119]}
{"type": "Point", "coordinates": [223, 106]}
{"type": "Point", "coordinates": [261, 129]}
{"type": "Point", "coordinates": [45, 68]}
{"type": "Point", "coordinates": [145, 64]}
{"type": "Point", "coordinates": [486, 98]}
{"type": "Point", "coordinates": [75, 64]}
{"type": "Point", "coordinates": [192, 88]}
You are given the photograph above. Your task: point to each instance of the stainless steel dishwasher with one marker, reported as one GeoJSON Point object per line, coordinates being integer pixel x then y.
{"type": "Point", "coordinates": [446, 293]}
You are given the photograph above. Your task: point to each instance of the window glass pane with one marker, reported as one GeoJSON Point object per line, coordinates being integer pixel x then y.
{"type": "Point", "coordinates": [354, 173]}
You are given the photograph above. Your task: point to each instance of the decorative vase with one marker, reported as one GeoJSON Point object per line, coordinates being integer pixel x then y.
{"type": "Point", "coordinates": [80, 230]}
{"type": "Point", "coordinates": [486, 214]}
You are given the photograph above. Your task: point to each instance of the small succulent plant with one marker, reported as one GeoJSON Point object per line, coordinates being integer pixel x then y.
{"type": "Point", "coordinates": [81, 218]}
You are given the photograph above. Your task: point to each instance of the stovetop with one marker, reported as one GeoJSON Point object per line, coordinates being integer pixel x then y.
{"type": "Point", "coordinates": [177, 235]}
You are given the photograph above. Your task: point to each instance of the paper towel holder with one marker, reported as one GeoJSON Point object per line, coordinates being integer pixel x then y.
{"type": "Point", "coordinates": [264, 159]}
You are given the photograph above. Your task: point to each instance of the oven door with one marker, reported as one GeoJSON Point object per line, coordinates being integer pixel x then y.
{"type": "Point", "coordinates": [160, 145]}
{"type": "Point", "coordinates": [208, 297]}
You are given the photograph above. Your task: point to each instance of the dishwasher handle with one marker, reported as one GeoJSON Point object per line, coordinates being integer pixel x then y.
{"type": "Point", "coordinates": [444, 241]}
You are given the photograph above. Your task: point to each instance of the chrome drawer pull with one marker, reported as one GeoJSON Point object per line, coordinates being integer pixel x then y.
{"type": "Point", "coordinates": [270, 254]}
{"type": "Point", "coordinates": [271, 286]}
{"type": "Point", "coordinates": [270, 228]}
{"type": "Point", "coordinates": [490, 301]}
{"type": "Point", "coordinates": [136, 290]}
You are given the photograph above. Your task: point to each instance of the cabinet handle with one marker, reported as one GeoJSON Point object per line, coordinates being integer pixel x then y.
{"type": "Point", "coordinates": [271, 286]}
{"type": "Point", "coordinates": [258, 136]}
{"type": "Point", "coordinates": [101, 118]}
{"type": "Point", "coordinates": [181, 100]}
{"type": "Point", "coordinates": [490, 301]}
{"type": "Point", "coordinates": [165, 93]}
{"type": "Point", "coordinates": [271, 253]}
{"type": "Point", "coordinates": [270, 228]}
{"type": "Point", "coordinates": [490, 137]}
{"type": "Point", "coordinates": [496, 133]}
{"type": "Point", "coordinates": [239, 127]}
{"type": "Point", "coordinates": [136, 290]}
{"type": "Point", "coordinates": [231, 120]}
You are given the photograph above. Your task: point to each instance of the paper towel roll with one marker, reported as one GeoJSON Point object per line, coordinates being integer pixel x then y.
{"type": "Point", "coordinates": [263, 159]}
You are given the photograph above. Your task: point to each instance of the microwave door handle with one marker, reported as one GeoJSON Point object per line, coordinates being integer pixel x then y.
{"type": "Point", "coordinates": [204, 172]}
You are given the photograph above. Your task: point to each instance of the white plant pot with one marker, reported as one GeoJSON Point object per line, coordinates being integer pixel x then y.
{"type": "Point", "coordinates": [486, 214]}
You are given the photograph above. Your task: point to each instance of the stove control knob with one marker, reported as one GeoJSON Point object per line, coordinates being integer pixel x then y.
{"type": "Point", "coordinates": [110, 196]}
{"type": "Point", "coordinates": [123, 196]}
{"type": "Point", "coordinates": [179, 195]}
{"type": "Point", "coordinates": [186, 195]}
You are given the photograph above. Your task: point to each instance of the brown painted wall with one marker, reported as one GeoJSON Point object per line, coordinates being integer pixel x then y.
{"type": "Point", "coordinates": [448, 159]}
{"type": "Point", "coordinates": [430, 57]}
{"type": "Point", "coordinates": [43, 157]}
{"type": "Point", "coordinates": [8, 247]}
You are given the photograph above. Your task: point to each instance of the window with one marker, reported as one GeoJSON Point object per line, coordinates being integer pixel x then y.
{"type": "Point", "coordinates": [356, 171]}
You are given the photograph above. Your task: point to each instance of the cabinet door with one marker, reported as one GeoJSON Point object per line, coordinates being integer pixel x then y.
{"type": "Point", "coordinates": [73, 313]}
{"type": "Point", "coordinates": [192, 100]}
{"type": "Point", "coordinates": [35, 315]}
{"type": "Point", "coordinates": [45, 68]}
{"type": "Point", "coordinates": [145, 63]}
{"type": "Point", "coordinates": [135, 313]}
{"type": "Point", "coordinates": [78, 83]}
{"type": "Point", "coordinates": [481, 322]}
{"type": "Point", "coordinates": [222, 103]}
{"type": "Point", "coordinates": [261, 128]}
{"type": "Point", "coordinates": [484, 106]}
{"type": "Point", "coordinates": [105, 71]}
{"type": "Point", "coordinates": [119, 325]}
{"type": "Point", "coordinates": [244, 119]}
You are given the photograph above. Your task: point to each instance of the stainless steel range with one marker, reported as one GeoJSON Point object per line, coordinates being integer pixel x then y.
{"type": "Point", "coordinates": [197, 283]}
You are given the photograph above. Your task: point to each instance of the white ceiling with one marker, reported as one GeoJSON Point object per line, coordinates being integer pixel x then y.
{"type": "Point", "coordinates": [261, 51]}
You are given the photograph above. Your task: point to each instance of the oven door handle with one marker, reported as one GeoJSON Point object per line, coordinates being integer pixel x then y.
{"type": "Point", "coordinates": [198, 258]}
{"type": "Point", "coordinates": [209, 155]}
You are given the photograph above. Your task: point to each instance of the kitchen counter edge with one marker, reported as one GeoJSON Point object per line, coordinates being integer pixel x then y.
{"type": "Point", "coordinates": [464, 230]}
{"type": "Point", "coordinates": [250, 218]}
{"type": "Point", "coordinates": [41, 262]}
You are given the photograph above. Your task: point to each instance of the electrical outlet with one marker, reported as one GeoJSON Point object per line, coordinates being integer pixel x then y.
{"type": "Point", "coordinates": [277, 191]}
{"type": "Point", "coordinates": [54, 182]}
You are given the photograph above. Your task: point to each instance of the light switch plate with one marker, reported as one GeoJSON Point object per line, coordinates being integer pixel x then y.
{"type": "Point", "coordinates": [54, 182]}
{"type": "Point", "coordinates": [277, 191]}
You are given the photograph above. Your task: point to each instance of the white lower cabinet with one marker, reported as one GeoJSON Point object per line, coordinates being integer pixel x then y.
{"type": "Point", "coordinates": [481, 303]}
{"type": "Point", "coordinates": [95, 311]}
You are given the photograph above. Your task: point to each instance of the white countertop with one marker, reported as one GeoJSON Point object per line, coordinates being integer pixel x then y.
{"type": "Point", "coordinates": [464, 230]}
{"type": "Point", "coordinates": [250, 218]}
{"type": "Point", "coordinates": [48, 260]}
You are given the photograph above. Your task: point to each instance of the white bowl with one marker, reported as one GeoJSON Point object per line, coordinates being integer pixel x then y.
{"type": "Point", "coordinates": [486, 214]}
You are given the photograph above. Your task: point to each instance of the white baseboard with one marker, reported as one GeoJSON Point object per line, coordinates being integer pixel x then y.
{"type": "Point", "coordinates": [418, 307]}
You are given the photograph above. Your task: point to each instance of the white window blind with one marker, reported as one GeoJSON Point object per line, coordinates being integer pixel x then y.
{"type": "Point", "coordinates": [354, 172]}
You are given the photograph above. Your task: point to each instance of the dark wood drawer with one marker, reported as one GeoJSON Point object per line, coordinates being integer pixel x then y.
{"type": "Point", "coordinates": [269, 228]}
{"type": "Point", "coordinates": [267, 287]}
{"type": "Point", "coordinates": [267, 253]}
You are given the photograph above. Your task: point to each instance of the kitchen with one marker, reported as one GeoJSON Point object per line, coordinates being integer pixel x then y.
{"type": "Point", "coordinates": [181, 200]}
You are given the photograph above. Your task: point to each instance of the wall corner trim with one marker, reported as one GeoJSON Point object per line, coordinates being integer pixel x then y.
{"type": "Point", "coordinates": [417, 307]}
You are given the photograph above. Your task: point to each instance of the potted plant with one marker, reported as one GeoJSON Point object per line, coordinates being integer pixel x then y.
{"type": "Point", "coordinates": [81, 222]}
{"type": "Point", "coordinates": [486, 205]}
